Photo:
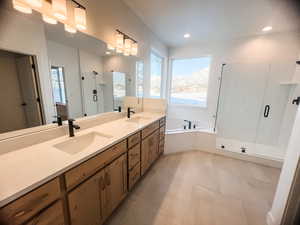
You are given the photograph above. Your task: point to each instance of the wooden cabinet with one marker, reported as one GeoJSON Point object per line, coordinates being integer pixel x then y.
{"type": "Point", "coordinates": [85, 201]}
{"type": "Point", "coordinates": [149, 151]}
{"type": "Point", "coordinates": [51, 216]}
{"type": "Point", "coordinates": [134, 156]}
{"type": "Point", "coordinates": [95, 199]}
{"type": "Point", "coordinates": [134, 139]}
{"type": "Point", "coordinates": [150, 129]}
{"type": "Point", "coordinates": [30, 204]}
{"type": "Point", "coordinates": [88, 168]}
{"type": "Point", "coordinates": [115, 176]}
{"type": "Point", "coordinates": [134, 175]}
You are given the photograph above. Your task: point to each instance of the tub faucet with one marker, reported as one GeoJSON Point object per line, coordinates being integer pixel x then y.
{"type": "Point", "coordinates": [72, 126]}
{"type": "Point", "coordinates": [190, 123]}
{"type": "Point", "coordinates": [129, 111]}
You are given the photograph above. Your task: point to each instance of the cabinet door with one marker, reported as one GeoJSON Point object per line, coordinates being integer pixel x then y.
{"type": "Point", "coordinates": [85, 202]}
{"type": "Point", "coordinates": [115, 176]}
{"type": "Point", "coordinates": [145, 159]}
{"type": "Point", "coordinates": [51, 216]}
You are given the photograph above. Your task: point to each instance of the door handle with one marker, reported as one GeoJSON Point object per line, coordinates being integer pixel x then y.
{"type": "Point", "coordinates": [267, 111]}
{"type": "Point", "coordinates": [95, 98]}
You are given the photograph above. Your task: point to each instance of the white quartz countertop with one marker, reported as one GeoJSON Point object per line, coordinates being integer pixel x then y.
{"type": "Point", "coordinates": [25, 169]}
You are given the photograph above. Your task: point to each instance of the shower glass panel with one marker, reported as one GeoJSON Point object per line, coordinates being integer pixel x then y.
{"type": "Point", "coordinates": [253, 107]}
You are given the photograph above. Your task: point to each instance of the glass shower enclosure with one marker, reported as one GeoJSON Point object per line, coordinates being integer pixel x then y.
{"type": "Point", "coordinates": [255, 112]}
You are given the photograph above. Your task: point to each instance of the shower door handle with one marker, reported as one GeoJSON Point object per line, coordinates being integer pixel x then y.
{"type": "Point", "coordinates": [267, 111]}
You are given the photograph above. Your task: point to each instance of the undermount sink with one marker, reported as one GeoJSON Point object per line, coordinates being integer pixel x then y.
{"type": "Point", "coordinates": [79, 143]}
{"type": "Point", "coordinates": [137, 119]}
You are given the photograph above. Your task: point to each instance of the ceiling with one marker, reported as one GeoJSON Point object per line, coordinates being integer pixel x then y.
{"type": "Point", "coordinates": [213, 20]}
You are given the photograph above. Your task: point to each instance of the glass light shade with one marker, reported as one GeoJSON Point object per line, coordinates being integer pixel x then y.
{"type": "Point", "coordinates": [59, 8]}
{"type": "Point", "coordinates": [70, 29]}
{"type": "Point", "coordinates": [134, 49]}
{"type": "Point", "coordinates": [127, 45]}
{"type": "Point", "coordinates": [127, 52]}
{"type": "Point", "coordinates": [119, 41]}
{"type": "Point", "coordinates": [35, 3]}
{"type": "Point", "coordinates": [80, 18]}
{"type": "Point", "coordinates": [119, 50]}
{"type": "Point", "coordinates": [49, 19]}
{"type": "Point", "coordinates": [110, 47]}
{"type": "Point", "coordinates": [21, 6]}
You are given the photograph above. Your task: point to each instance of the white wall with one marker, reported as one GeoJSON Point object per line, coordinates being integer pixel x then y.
{"type": "Point", "coordinates": [68, 58]}
{"type": "Point", "coordinates": [256, 49]}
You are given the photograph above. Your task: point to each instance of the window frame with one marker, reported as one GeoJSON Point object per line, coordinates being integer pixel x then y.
{"type": "Point", "coordinates": [157, 54]}
{"type": "Point", "coordinates": [170, 82]}
{"type": "Point", "coordinates": [61, 77]}
{"type": "Point", "coordinates": [136, 78]}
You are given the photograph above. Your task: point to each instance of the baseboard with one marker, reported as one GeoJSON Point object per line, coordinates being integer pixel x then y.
{"type": "Point", "coordinates": [270, 219]}
{"type": "Point", "coordinates": [248, 158]}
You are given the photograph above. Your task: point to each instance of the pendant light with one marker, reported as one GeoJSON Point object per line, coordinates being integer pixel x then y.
{"type": "Point", "coordinates": [119, 40]}
{"type": "Point", "coordinates": [35, 3]}
{"type": "Point", "coordinates": [59, 8]}
{"type": "Point", "coordinates": [47, 13]}
{"type": "Point", "coordinates": [49, 19]}
{"type": "Point", "coordinates": [127, 46]}
{"type": "Point", "coordinates": [70, 29]}
{"type": "Point", "coordinates": [110, 47]}
{"type": "Point", "coordinates": [119, 50]}
{"type": "Point", "coordinates": [21, 6]}
{"type": "Point", "coordinates": [134, 49]}
{"type": "Point", "coordinates": [80, 18]}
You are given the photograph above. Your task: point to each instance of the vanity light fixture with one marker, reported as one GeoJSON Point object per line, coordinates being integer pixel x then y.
{"type": "Point", "coordinates": [59, 8]}
{"type": "Point", "coordinates": [107, 53]}
{"type": "Point", "coordinates": [125, 44]}
{"type": "Point", "coordinates": [80, 17]}
{"type": "Point", "coordinates": [267, 28]}
{"type": "Point", "coordinates": [110, 47]}
{"type": "Point", "coordinates": [134, 49]}
{"type": "Point", "coordinates": [49, 19]}
{"type": "Point", "coordinates": [70, 29]}
{"type": "Point", "coordinates": [21, 6]}
{"type": "Point", "coordinates": [35, 3]}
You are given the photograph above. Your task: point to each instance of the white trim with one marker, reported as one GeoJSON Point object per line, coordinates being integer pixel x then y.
{"type": "Point", "coordinates": [270, 218]}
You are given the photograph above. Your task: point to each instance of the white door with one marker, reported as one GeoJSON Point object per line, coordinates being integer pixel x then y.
{"type": "Point", "coordinates": [28, 84]}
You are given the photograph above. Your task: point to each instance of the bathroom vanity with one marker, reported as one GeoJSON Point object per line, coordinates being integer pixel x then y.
{"type": "Point", "coordinates": [93, 181]}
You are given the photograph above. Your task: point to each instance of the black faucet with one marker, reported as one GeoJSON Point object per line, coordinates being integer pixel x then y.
{"type": "Point", "coordinates": [72, 126]}
{"type": "Point", "coordinates": [129, 111]}
{"type": "Point", "coordinates": [190, 123]}
{"type": "Point", "coordinates": [58, 120]}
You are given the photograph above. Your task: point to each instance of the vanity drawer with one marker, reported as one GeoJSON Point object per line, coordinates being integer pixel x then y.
{"type": "Point", "coordinates": [162, 122]}
{"type": "Point", "coordinates": [134, 139]}
{"type": "Point", "coordinates": [134, 156]}
{"type": "Point", "coordinates": [134, 175]}
{"type": "Point", "coordinates": [88, 168]}
{"type": "Point", "coordinates": [30, 204]}
{"type": "Point", "coordinates": [162, 132]}
{"type": "Point", "coordinates": [150, 129]}
{"type": "Point", "coordinates": [51, 216]}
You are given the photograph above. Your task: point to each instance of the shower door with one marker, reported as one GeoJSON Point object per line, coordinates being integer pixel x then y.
{"type": "Point", "coordinates": [252, 108]}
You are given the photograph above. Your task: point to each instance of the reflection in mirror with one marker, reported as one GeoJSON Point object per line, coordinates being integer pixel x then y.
{"type": "Point", "coordinates": [119, 89]}
{"type": "Point", "coordinates": [20, 92]}
{"type": "Point", "coordinates": [85, 79]}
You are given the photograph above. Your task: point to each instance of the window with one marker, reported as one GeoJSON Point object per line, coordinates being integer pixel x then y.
{"type": "Point", "coordinates": [58, 84]}
{"type": "Point", "coordinates": [156, 75]}
{"type": "Point", "coordinates": [190, 81]}
{"type": "Point", "coordinates": [139, 78]}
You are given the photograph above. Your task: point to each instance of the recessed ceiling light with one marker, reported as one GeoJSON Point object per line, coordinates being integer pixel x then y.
{"type": "Point", "coordinates": [267, 28]}
{"type": "Point", "coordinates": [186, 35]}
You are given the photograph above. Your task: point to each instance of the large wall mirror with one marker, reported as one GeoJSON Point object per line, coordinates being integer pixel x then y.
{"type": "Point", "coordinates": [85, 81]}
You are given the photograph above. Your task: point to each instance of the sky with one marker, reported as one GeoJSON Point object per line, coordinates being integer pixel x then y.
{"type": "Point", "coordinates": [183, 67]}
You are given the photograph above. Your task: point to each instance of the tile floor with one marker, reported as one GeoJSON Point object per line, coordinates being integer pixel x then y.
{"type": "Point", "coordinates": [197, 188]}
